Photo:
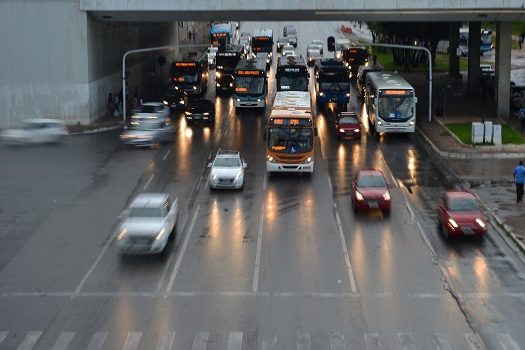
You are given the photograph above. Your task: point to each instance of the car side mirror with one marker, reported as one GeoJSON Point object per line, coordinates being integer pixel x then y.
{"type": "Point", "coordinates": [244, 165]}
{"type": "Point", "coordinates": [209, 165]}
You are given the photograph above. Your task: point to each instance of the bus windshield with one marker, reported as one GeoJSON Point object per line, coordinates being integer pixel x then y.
{"type": "Point", "coordinates": [395, 108]}
{"type": "Point", "coordinates": [334, 81]}
{"type": "Point", "coordinates": [249, 85]}
{"type": "Point", "coordinates": [293, 82]}
{"type": "Point", "coordinates": [262, 45]}
{"type": "Point", "coordinates": [186, 75]}
{"type": "Point", "coordinates": [290, 140]}
{"type": "Point", "coordinates": [226, 63]}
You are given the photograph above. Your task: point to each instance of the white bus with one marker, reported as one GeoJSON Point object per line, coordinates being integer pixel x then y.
{"type": "Point", "coordinates": [390, 103]}
{"type": "Point", "coordinates": [486, 41]}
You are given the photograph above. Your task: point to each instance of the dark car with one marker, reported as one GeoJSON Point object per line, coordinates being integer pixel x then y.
{"type": "Point", "coordinates": [176, 98]}
{"type": "Point", "coordinates": [459, 214]}
{"type": "Point", "coordinates": [200, 109]}
{"type": "Point", "coordinates": [347, 124]}
{"type": "Point", "coordinates": [370, 191]}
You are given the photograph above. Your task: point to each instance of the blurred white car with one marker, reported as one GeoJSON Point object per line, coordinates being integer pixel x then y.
{"type": "Point", "coordinates": [288, 50]}
{"type": "Point", "coordinates": [292, 39]}
{"type": "Point", "coordinates": [227, 170]}
{"type": "Point", "coordinates": [147, 224]}
{"type": "Point", "coordinates": [312, 55]}
{"type": "Point", "coordinates": [148, 132]}
{"type": "Point", "coordinates": [318, 43]}
{"type": "Point", "coordinates": [211, 53]}
{"type": "Point", "coordinates": [152, 110]}
{"type": "Point", "coordinates": [36, 131]}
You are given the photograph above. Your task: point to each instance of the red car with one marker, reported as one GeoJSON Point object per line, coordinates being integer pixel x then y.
{"type": "Point", "coordinates": [459, 214]}
{"type": "Point", "coordinates": [370, 191]}
{"type": "Point", "coordinates": [347, 124]}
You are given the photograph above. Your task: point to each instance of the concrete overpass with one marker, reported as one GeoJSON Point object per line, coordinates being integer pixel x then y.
{"type": "Point", "coordinates": [61, 58]}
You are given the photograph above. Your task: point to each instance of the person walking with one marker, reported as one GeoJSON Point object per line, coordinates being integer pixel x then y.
{"type": "Point", "coordinates": [521, 118]}
{"type": "Point", "coordinates": [519, 180]}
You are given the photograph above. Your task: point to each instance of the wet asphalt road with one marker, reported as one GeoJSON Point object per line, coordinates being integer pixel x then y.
{"type": "Point", "coordinates": [283, 264]}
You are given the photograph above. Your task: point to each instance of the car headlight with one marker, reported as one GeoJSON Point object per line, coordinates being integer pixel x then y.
{"type": "Point", "coordinates": [357, 130]}
{"type": "Point", "coordinates": [231, 84]}
{"type": "Point", "coordinates": [165, 102]}
{"type": "Point", "coordinates": [480, 223]}
{"type": "Point", "coordinates": [238, 176]}
{"type": "Point", "coordinates": [386, 196]}
{"type": "Point", "coordinates": [308, 160]}
{"type": "Point", "coordinates": [453, 223]}
{"type": "Point", "coordinates": [217, 74]}
{"type": "Point", "coordinates": [187, 113]}
{"type": "Point", "coordinates": [206, 113]}
{"type": "Point", "coordinates": [270, 159]}
{"type": "Point", "coordinates": [238, 99]}
{"type": "Point", "coordinates": [218, 85]}
{"type": "Point", "coordinates": [341, 130]}
{"type": "Point", "coordinates": [259, 100]}
{"type": "Point", "coordinates": [359, 196]}
{"type": "Point", "coordinates": [213, 176]}
{"type": "Point", "coordinates": [194, 88]}
{"type": "Point", "coordinates": [160, 234]}
{"type": "Point", "coordinates": [122, 233]}
{"type": "Point", "coordinates": [347, 94]}
{"type": "Point", "coordinates": [181, 102]}
{"type": "Point", "coordinates": [321, 94]}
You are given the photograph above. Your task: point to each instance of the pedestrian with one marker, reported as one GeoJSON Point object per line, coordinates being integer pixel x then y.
{"type": "Point", "coordinates": [194, 36]}
{"type": "Point", "coordinates": [521, 39]}
{"type": "Point", "coordinates": [519, 180]}
{"type": "Point", "coordinates": [116, 102]}
{"type": "Point", "coordinates": [521, 118]}
{"type": "Point", "coordinates": [189, 36]}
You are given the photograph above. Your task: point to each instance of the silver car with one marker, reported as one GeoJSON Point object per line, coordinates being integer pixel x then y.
{"type": "Point", "coordinates": [227, 170]}
{"type": "Point", "coordinates": [292, 39]}
{"type": "Point", "coordinates": [148, 132]}
{"type": "Point", "coordinates": [35, 131]}
{"type": "Point", "coordinates": [152, 110]}
{"type": "Point", "coordinates": [148, 223]}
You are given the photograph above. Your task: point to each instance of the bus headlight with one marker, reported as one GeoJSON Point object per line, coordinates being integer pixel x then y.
{"type": "Point", "coordinates": [308, 160]}
{"type": "Point", "coordinates": [321, 94]}
{"type": "Point", "coordinates": [411, 122]}
{"type": "Point", "coordinates": [231, 84]}
{"type": "Point", "coordinates": [379, 122]}
{"type": "Point", "coordinates": [270, 159]}
{"type": "Point", "coordinates": [194, 88]}
{"type": "Point", "coordinates": [217, 74]}
{"type": "Point", "coordinates": [347, 94]}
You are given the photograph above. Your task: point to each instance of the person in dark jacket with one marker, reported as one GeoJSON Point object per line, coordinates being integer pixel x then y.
{"type": "Point", "coordinates": [519, 180]}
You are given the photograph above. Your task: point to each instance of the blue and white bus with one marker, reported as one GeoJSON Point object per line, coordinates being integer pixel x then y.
{"type": "Point", "coordinates": [250, 83]}
{"type": "Point", "coordinates": [225, 33]}
{"type": "Point", "coordinates": [332, 82]}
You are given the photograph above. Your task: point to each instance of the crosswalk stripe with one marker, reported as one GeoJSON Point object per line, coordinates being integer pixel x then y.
{"type": "Point", "coordinates": [269, 343]}
{"type": "Point", "coordinates": [475, 342]}
{"type": "Point", "coordinates": [3, 335]}
{"type": "Point", "coordinates": [97, 341]}
{"type": "Point", "coordinates": [441, 342]}
{"type": "Point", "coordinates": [372, 341]}
{"type": "Point", "coordinates": [337, 341]}
{"type": "Point", "coordinates": [166, 341]}
{"type": "Point", "coordinates": [63, 340]}
{"type": "Point", "coordinates": [507, 343]}
{"type": "Point", "coordinates": [405, 339]}
{"type": "Point", "coordinates": [132, 341]}
{"type": "Point", "coordinates": [235, 341]}
{"type": "Point", "coordinates": [29, 341]}
{"type": "Point", "coordinates": [304, 341]}
{"type": "Point", "coordinates": [200, 341]}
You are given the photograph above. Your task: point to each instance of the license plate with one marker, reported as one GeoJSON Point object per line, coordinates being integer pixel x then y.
{"type": "Point", "coordinates": [196, 117]}
{"type": "Point", "coordinates": [468, 231]}
{"type": "Point", "coordinates": [372, 204]}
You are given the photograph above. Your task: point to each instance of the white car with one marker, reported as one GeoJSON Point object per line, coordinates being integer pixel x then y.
{"type": "Point", "coordinates": [211, 53]}
{"type": "Point", "coordinates": [148, 223]}
{"type": "Point", "coordinates": [288, 50]}
{"type": "Point", "coordinates": [318, 43]}
{"type": "Point", "coordinates": [152, 110]}
{"type": "Point", "coordinates": [313, 55]}
{"type": "Point", "coordinates": [35, 131]}
{"type": "Point", "coordinates": [292, 39]}
{"type": "Point", "coordinates": [227, 170]}
{"type": "Point", "coordinates": [148, 132]}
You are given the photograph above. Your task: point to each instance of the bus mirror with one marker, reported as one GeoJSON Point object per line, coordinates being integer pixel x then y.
{"type": "Point", "coordinates": [415, 99]}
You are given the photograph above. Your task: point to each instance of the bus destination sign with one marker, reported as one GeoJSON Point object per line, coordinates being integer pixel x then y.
{"type": "Point", "coordinates": [185, 64]}
{"type": "Point", "coordinates": [290, 122]}
{"type": "Point", "coordinates": [391, 92]}
{"type": "Point", "coordinates": [249, 72]}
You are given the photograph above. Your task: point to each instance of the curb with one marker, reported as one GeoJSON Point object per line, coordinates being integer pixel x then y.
{"type": "Point", "coordinates": [96, 131]}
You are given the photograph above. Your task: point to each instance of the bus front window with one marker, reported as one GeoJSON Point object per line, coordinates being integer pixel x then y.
{"type": "Point", "coordinates": [395, 108]}
{"type": "Point", "coordinates": [290, 140]}
{"type": "Point", "coordinates": [249, 86]}
{"type": "Point", "coordinates": [293, 82]}
{"type": "Point", "coordinates": [186, 76]}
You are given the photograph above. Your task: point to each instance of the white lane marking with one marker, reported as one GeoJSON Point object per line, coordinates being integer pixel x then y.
{"type": "Point", "coordinates": [507, 343]}
{"type": "Point", "coordinates": [29, 341]}
{"type": "Point", "coordinates": [234, 341]}
{"type": "Point", "coordinates": [226, 132]}
{"type": "Point", "coordinates": [165, 272]}
{"type": "Point", "coordinates": [255, 284]}
{"type": "Point", "coordinates": [412, 216]}
{"type": "Point", "coordinates": [94, 265]}
{"type": "Point", "coordinates": [166, 341]}
{"type": "Point", "coordinates": [210, 154]}
{"type": "Point", "coordinates": [425, 239]}
{"type": "Point", "coordinates": [349, 270]}
{"type": "Point", "coordinates": [337, 341]}
{"type": "Point", "coordinates": [97, 341]}
{"type": "Point", "coordinates": [166, 155]}
{"type": "Point", "coordinates": [63, 340]}
{"type": "Point", "coordinates": [269, 343]}
{"type": "Point", "coordinates": [441, 342]}
{"type": "Point", "coordinates": [304, 341]}
{"type": "Point", "coordinates": [475, 342]}
{"type": "Point", "coordinates": [405, 340]}
{"type": "Point", "coordinates": [148, 182]}
{"type": "Point", "coordinates": [199, 181]}
{"type": "Point", "coordinates": [3, 335]}
{"type": "Point", "coordinates": [132, 341]}
{"type": "Point", "coordinates": [372, 341]}
{"type": "Point", "coordinates": [184, 246]}
{"type": "Point", "coordinates": [394, 180]}
{"type": "Point", "coordinates": [200, 341]}
{"type": "Point", "coordinates": [330, 184]}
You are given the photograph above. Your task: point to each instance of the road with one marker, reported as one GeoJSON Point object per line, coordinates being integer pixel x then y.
{"type": "Point", "coordinates": [283, 264]}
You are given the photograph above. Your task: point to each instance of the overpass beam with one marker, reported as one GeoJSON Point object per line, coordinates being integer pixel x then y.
{"type": "Point", "coordinates": [503, 61]}
{"type": "Point", "coordinates": [474, 52]}
{"type": "Point", "coordinates": [453, 57]}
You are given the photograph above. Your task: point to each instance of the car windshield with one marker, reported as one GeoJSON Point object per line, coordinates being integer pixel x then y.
{"type": "Point", "coordinates": [290, 140]}
{"type": "Point", "coordinates": [145, 212]}
{"type": "Point", "coordinates": [462, 204]}
{"type": "Point", "coordinates": [147, 125]}
{"type": "Point", "coordinates": [33, 126]}
{"type": "Point", "coordinates": [348, 120]}
{"type": "Point", "coordinates": [148, 109]}
{"type": "Point", "coordinates": [227, 162]}
{"type": "Point", "coordinates": [371, 181]}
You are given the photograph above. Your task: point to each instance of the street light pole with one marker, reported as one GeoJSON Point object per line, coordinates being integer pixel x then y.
{"type": "Point", "coordinates": [420, 48]}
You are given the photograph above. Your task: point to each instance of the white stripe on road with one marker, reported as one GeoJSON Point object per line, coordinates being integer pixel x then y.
{"type": "Point", "coordinates": [441, 342]}
{"type": "Point", "coordinates": [184, 246]}
{"type": "Point", "coordinates": [200, 341]}
{"type": "Point", "coordinates": [330, 184]}
{"type": "Point", "coordinates": [349, 270]}
{"type": "Point", "coordinates": [94, 265]}
{"type": "Point", "coordinates": [269, 343]}
{"type": "Point", "coordinates": [132, 341]}
{"type": "Point", "coordinates": [304, 341]}
{"type": "Point", "coordinates": [149, 181]}
{"type": "Point", "coordinates": [507, 343]}
{"type": "Point", "coordinates": [255, 284]}
{"type": "Point", "coordinates": [3, 335]}
{"type": "Point", "coordinates": [166, 341]}
{"type": "Point", "coordinates": [372, 341]}
{"type": "Point", "coordinates": [166, 155]}
{"type": "Point", "coordinates": [475, 342]}
{"type": "Point", "coordinates": [29, 341]}
{"type": "Point", "coordinates": [405, 340]}
{"type": "Point", "coordinates": [412, 216]}
{"type": "Point", "coordinates": [337, 341]}
{"type": "Point", "coordinates": [63, 340]}
{"type": "Point", "coordinates": [234, 341]}
{"type": "Point", "coordinates": [97, 341]}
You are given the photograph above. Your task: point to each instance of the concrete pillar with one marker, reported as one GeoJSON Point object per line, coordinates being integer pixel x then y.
{"type": "Point", "coordinates": [453, 57]}
{"type": "Point", "coordinates": [474, 45]}
{"type": "Point", "coordinates": [503, 56]}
